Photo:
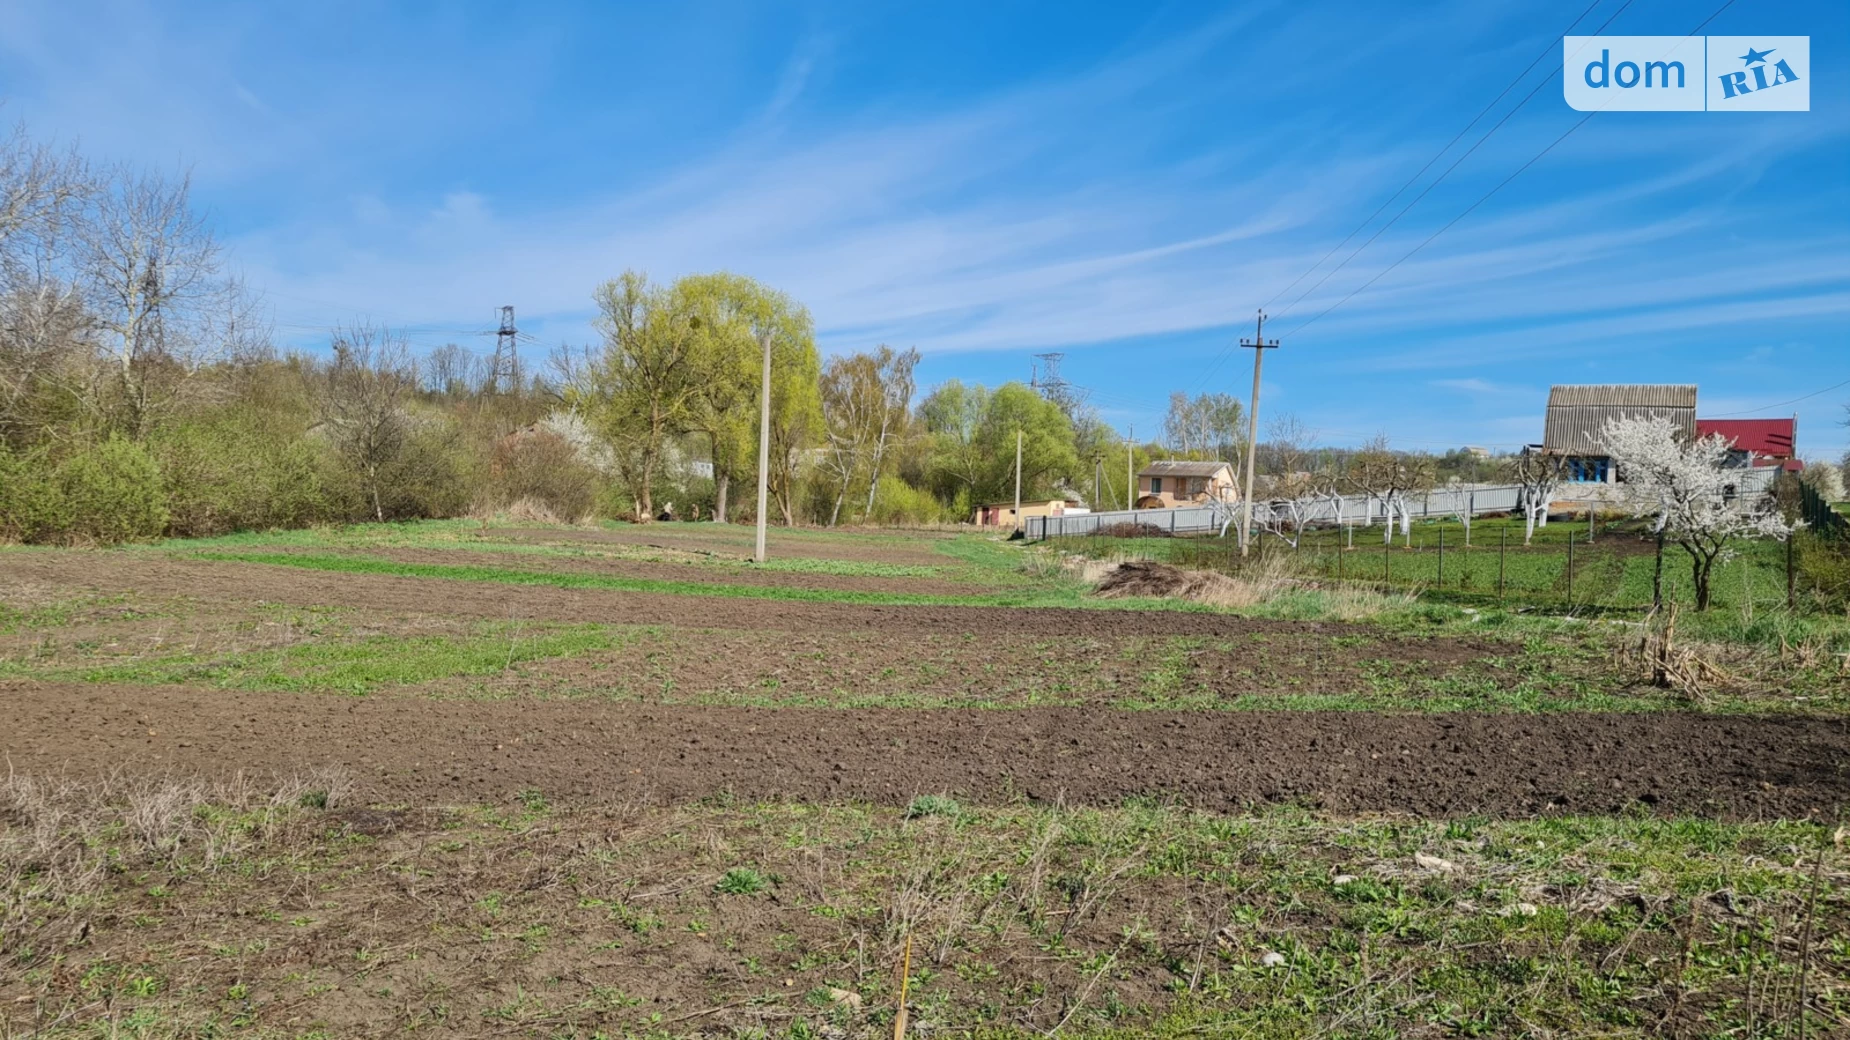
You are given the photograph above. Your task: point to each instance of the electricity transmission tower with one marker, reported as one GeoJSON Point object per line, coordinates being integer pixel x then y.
{"type": "Point", "coordinates": [1046, 378]}
{"type": "Point", "coordinates": [504, 373]}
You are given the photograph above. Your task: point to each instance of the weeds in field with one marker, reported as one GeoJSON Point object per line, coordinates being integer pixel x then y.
{"type": "Point", "coordinates": [933, 805]}
{"type": "Point", "coordinates": [1145, 918]}
{"type": "Point", "coordinates": [742, 881]}
{"type": "Point", "coordinates": [63, 841]}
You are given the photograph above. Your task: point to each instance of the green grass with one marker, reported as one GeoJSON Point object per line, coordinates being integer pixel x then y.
{"type": "Point", "coordinates": [1748, 603]}
{"type": "Point", "coordinates": [339, 662]}
{"type": "Point", "coordinates": [1048, 594]}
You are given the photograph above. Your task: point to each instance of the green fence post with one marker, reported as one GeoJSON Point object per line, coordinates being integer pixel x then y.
{"type": "Point", "coordinates": [1570, 568]}
{"type": "Point", "coordinates": [1791, 601]}
{"type": "Point", "coordinates": [1442, 558]}
{"type": "Point", "coordinates": [1503, 538]}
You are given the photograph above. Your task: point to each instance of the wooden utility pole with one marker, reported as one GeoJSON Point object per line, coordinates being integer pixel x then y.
{"type": "Point", "coordinates": [1259, 347]}
{"type": "Point", "coordinates": [1018, 523]}
{"type": "Point", "coordinates": [764, 445]}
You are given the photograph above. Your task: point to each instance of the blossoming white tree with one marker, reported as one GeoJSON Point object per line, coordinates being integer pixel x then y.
{"type": "Point", "coordinates": [1826, 479]}
{"type": "Point", "coordinates": [1686, 488]}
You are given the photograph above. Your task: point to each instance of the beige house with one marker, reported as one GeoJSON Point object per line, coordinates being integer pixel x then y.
{"type": "Point", "coordinates": [1002, 514]}
{"type": "Point", "coordinates": [1176, 482]}
{"type": "Point", "coordinates": [1573, 428]}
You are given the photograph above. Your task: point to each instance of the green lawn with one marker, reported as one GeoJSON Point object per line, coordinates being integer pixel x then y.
{"type": "Point", "coordinates": [323, 651]}
{"type": "Point", "coordinates": [1611, 577]}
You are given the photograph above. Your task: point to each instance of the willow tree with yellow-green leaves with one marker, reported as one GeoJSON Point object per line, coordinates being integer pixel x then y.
{"type": "Point", "coordinates": [685, 359]}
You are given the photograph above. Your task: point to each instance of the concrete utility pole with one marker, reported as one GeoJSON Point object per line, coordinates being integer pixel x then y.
{"type": "Point", "coordinates": [1098, 466]}
{"type": "Point", "coordinates": [764, 445]}
{"type": "Point", "coordinates": [1259, 346]}
{"type": "Point", "coordinates": [1130, 468]}
{"type": "Point", "coordinates": [1018, 524]}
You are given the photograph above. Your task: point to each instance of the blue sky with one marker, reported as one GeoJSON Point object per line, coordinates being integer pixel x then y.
{"type": "Point", "coordinates": [1125, 183]}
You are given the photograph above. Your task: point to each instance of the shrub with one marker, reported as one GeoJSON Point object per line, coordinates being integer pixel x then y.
{"type": "Point", "coordinates": [31, 506]}
{"type": "Point", "coordinates": [431, 475]}
{"type": "Point", "coordinates": [232, 475]}
{"type": "Point", "coordinates": [1824, 568]}
{"type": "Point", "coordinates": [540, 466]}
{"type": "Point", "coordinates": [898, 502]}
{"type": "Point", "coordinates": [112, 493]}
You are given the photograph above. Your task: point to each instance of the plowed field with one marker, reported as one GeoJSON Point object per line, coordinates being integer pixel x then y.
{"type": "Point", "coordinates": [432, 681]}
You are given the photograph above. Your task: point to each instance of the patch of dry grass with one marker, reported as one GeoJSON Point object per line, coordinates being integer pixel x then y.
{"type": "Point", "coordinates": [525, 920]}
{"type": "Point", "coordinates": [1268, 581]}
{"type": "Point", "coordinates": [62, 839]}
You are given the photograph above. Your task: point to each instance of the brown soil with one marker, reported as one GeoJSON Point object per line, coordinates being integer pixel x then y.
{"type": "Point", "coordinates": [1132, 529]}
{"type": "Point", "coordinates": [1149, 578]}
{"type": "Point", "coordinates": [989, 669]}
{"type": "Point", "coordinates": [414, 751]}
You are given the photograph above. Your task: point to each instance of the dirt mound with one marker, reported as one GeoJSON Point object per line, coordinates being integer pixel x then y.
{"type": "Point", "coordinates": [1149, 578]}
{"type": "Point", "coordinates": [1132, 529]}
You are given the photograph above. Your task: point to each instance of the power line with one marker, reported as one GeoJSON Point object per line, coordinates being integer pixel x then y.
{"type": "Point", "coordinates": [1520, 76]}
{"type": "Point", "coordinates": [1225, 353]}
{"type": "Point", "coordinates": [1488, 134]}
{"type": "Point", "coordinates": [1781, 404]}
{"type": "Point", "coordinates": [1582, 121]}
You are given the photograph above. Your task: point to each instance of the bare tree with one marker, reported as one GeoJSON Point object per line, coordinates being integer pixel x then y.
{"type": "Point", "coordinates": [1210, 426]}
{"type": "Point", "coordinates": [1538, 474]}
{"type": "Point", "coordinates": [451, 371]}
{"type": "Point", "coordinates": [148, 263]}
{"type": "Point", "coordinates": [1291, 501]}
{"type": "Point", "coordinates": [1291, 487]}
{"type": "Point", "coordinates": [44, 327]}
{"type": "Point", "coordinates": [363, 403]}
{"type": "Point", "coordinates": [1460, 498]}
{"type": "Point", "coordinates": [40, 189]}
{"type": "Point", "coordinates": [896, 388]}
{"type": "Point", "coordinates": [1391, 476]}
{"type": "Point", "coordinates": [852, 404]}
{"type": "Point", "coordinates": [1287, 446]}
{"type": "Point", "coordinates": [44, 344]}
{"type": "Point", "coordinates": [1329, 483]}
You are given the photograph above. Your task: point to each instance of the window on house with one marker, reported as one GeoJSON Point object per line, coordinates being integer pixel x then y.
{"type": "Point", "coordinates": [1156, 485]}
{"type": "Point", "coordinates": [1587, 471]}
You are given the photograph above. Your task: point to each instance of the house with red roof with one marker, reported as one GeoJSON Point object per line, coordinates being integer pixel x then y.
{"type": "Point", "coordinates": [1757, 442]}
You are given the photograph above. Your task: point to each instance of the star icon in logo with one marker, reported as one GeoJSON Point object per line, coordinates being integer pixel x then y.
{"type": "Point", "coordinates": [1754, 57]}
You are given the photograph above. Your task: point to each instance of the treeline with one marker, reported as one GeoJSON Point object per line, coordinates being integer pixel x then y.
{"type": "Point", "coordinates": [141, 395]}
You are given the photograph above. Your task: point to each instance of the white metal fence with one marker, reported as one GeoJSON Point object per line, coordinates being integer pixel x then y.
{"type": "Point", "coordinates": [1364, 510]}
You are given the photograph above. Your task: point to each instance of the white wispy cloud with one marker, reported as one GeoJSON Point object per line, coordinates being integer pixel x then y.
{"type": "Point", "coordinates": [1150, 195]}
